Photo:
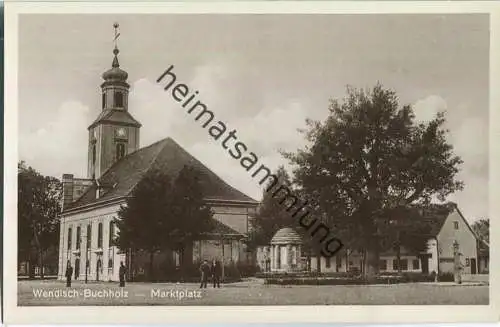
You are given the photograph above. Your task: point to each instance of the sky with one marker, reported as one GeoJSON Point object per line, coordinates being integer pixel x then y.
{"type": "Point", "coordinates": [261, 74]}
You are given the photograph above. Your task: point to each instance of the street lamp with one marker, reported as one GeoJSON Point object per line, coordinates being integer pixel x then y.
{"type": "Point", "coordinates": [86, 256]}
{"type": "Point", "coordinates": [457, 264]}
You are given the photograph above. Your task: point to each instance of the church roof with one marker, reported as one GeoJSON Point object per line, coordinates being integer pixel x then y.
{"type": "Point", "coordinates": [116, 116]}
{"type": "Point", "coordinates": [165, 155]}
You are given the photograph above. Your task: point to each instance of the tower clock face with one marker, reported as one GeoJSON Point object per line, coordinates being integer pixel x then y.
{"type": "Point", "coordinates": [121, 132]}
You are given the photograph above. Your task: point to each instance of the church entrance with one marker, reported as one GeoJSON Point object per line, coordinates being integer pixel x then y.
{"type": "Point", "coordinates": [77, 268]}
{"type": "Point", "coordinates": [98, 269]}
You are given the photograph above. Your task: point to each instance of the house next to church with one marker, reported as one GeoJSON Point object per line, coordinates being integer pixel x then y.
{"type": "Point", "coordinates": [449, 230]}
{"type": "Point", "coordinates": [115, 165]}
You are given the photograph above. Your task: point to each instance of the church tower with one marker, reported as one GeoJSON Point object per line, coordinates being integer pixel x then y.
{"type": "Point", "coordinates": [115, 133]}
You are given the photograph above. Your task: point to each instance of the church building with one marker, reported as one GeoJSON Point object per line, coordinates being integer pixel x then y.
{"type": "Point", "coordinates": [116, 163]}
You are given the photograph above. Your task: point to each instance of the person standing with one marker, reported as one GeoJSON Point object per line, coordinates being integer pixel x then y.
{"type": "Point", "coordinates": [205, 270]}
{"type": "Point", "coordinates": [69, 274]}
{"type": "Point", "coordinates": [122, 272]}
{"type": "Point", "coordinates": [216, 273]}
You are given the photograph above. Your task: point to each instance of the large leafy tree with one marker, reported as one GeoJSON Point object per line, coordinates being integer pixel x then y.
{"type": "Point", "coordinates": [369, 160]}
{"type": "Point", "coordinates": [272, 214]}
{"type": "Point", "coordinates": [39, 199]}
{"type": "Point", "coordinates": [161, 213]}
{"type": "Point", "coordinates": [482, 229]}
{"type": "Point", "coordinates": [191, 213]}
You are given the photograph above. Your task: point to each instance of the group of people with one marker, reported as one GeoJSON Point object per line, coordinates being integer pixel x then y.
{"type": "Point", "coordinates": [69, 272]}
{"type": "Point", "coordinates": [214, 270]}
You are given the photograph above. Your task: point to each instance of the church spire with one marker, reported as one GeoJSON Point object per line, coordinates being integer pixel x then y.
{"type": "Point", "coordinates": [115, 132]}
{"type": "Point", "coordinates": [116, 64]}
{"type": "Point", "coordinates": [115, 74]}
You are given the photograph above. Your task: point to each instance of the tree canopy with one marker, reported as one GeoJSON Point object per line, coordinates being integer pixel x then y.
{"type": "Point", "coordinates": [271, 215]}
{"type": "Point", "coordinates": [39, 205]}
{"type": "Point", "coordinates": [368, 161]}
{"type": "Point", "coordinates": [161, 213]}
{"type": "Point", "coordinates": [482, 229]}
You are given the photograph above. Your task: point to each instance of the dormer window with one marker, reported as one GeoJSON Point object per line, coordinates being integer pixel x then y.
{"type": "Point", "coordinates": [118, 99]}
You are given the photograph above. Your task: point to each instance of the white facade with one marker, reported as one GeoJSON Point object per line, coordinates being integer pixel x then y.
{"type": "Point", "coordinates": [456, 229]}
{"type": "Point", "coordinates": [104, 260]}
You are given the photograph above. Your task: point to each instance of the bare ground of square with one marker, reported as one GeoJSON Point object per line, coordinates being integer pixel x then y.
{"type": "Point", "coordinates": [253, 293]}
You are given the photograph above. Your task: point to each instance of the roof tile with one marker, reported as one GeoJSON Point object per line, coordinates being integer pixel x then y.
{"type": "Point", "coordinates": [165, 155]}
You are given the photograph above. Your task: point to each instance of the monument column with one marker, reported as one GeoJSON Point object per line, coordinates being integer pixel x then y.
{"type": "Point", "coordinates": [271, 256]}
{"type": "Point", "coordinates": [289, 256]}
{"type": "Point", "coordinates": [278, 257]}
{"type": "Point", "coordinates": [298, 253]}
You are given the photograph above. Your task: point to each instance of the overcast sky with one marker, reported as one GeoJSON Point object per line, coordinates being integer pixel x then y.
{"type": "Point", "coordinates": [261, 74]}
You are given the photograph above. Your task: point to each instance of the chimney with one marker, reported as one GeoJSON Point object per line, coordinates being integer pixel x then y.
{"type": "Point", "coordinates": [67, 184]}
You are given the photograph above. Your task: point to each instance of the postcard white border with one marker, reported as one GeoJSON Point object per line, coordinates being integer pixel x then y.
{"type": "Point", "coordinates": [239, 314]}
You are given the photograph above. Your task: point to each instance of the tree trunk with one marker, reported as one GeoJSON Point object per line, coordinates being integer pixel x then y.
{"type": "Point", "coordinates": [42, 275]}
{"type": "Point", "coordinates": [31, 266]}
{"type": "Point", "coordinates": [363, 262]}
{"type": "Point", "coordinates": [151, 259]}
{"type": "Point", "coordinates": [398, 257]}
{"type": "Point", "coordinates": [371, 263]}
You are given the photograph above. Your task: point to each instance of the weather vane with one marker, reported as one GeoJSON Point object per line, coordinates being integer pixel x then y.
{"type": "Point", "coordinates": [117, 34]}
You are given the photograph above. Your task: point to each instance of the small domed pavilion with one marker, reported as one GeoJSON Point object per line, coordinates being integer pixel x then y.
{"type": "Point", "coordinates": [286, 251]}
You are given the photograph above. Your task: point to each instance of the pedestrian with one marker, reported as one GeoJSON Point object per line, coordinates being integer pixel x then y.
{"type": "Point", "coordinates": [216, 273]}
{"type": "Point", "coordinates": [69, 274]}
{"type": "Point", "coordinates": [205, 270]}
{"type": "Point", "coordinates": [122, 272]}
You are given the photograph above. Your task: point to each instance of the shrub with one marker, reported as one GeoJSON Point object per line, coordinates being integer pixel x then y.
{"type": "Point", "coordinates": [247, 270]}
{"type": "Point", "coordinates": [346, 279]}
{"type": "Point", "coordinates": [304, 274]}
{"type": "Point", "coordinates": [446, 277]}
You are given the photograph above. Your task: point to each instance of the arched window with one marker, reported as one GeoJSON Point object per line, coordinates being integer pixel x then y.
{"type": "Point", "coordinates": [94, 154]}
{"type": "Point", "coordinates": [120, 151]}
{"type": "Point", "coordinates": [103, 100]}
{"type": "Point", "coordinates": [118, 99]}
{"type": "Point", "coordinates": [89, 236]}
{"type": "Point", "coordinates": [111, 233]}
{"type": "Point", "coordinates": [78, 237]}
{"type": "Point", "coordinates": [99, 235]}
{"type": "Point", "coordinates": [69, 238]}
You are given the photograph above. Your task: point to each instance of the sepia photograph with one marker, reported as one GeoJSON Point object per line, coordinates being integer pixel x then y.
{"type": "Point", "coordinates": [251, 160]}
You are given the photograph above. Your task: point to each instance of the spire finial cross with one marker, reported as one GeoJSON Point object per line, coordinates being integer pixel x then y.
{"type": "Point", "coordinates": [117, 34]}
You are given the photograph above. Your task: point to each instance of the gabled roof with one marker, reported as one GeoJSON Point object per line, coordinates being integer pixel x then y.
{"type": "Point", "coordinates": [167, 156]}
{"type": "Point", "coordinates": [435, 216]}
{"type": "Point", "coordinates": [216, 227]}
{"type": "Point", "coordinates": [115, 116]}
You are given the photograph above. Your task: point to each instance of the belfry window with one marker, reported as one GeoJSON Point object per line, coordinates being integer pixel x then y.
{"type": "Point", "coordinates": [94, 154]}
{"type": "Point", "coordinates": [118, 99]}
{"type": "Point", "coordinates": [103, 100]}
{"type": "Point", "coordinates": [120, 151]}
